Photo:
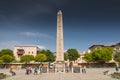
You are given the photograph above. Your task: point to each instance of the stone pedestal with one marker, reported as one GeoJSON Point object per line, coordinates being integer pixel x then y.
{"type": "Point", "coordinates": [60, 66]}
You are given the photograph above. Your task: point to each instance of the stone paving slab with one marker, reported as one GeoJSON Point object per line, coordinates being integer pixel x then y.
{"type": "Point", "coordinates": [92, 74]}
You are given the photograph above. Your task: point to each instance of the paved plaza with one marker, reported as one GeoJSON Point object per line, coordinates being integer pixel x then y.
{"type": "Point", "coordinates": [92, 74]}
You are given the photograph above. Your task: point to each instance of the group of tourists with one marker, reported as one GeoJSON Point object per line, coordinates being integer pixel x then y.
{"type": "Point", "coordinates": [37, 70]}
{"type": "Point", "coordinates": [84, 69]}
{"type": "Point", "coordinates": [28, 70]}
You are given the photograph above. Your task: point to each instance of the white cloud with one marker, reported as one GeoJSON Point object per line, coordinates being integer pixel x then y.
{"type": "Point", "coordinates": [8, 44]}
{"type": "Point", "coordinates": [42, 47]}
{"type": "Point", "coordinates": [12, 44]}
{"type": "Point", "coordinates": [31, 34]}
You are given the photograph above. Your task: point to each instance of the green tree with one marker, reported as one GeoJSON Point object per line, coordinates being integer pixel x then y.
{"type": "Point", "coordinates": [40, 57]}
{"type": "Point", "coordinates": [50, 56]}
{"type": "Point", "coordinates": [117, 56]}
{"type": "Point", "coordinates": [65, 56]}
{"type": "Point", "coordinates": [42, 52]}
{"type": "Point", "coordinates": [96, 55]}
{"type": "Point", "coordinates": [7, 58]}
{"type": "Point", "coordinates": [102, 55]}
{"type": "Point", "coordinates": [6, 52]}
{"type": "Point", "coordinates": [73, 54]}
{"type": "Point", "coordinates": [87, 57]}
{"type": "Point", "coordinates": [26, 58]}
{"type": "Point", "coordinates": [107, 54]}
{"type": "Point", "coordinates": [1, 61]}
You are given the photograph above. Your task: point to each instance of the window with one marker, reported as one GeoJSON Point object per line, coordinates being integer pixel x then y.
{"type": "Point", "coordinates": [20, 52]}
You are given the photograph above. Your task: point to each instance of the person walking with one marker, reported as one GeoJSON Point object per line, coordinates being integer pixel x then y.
{"type": "Point", "coordinates": [40, 69]}
{"type": "Point", "coordinates": [35, 71]}
{"type": "Point", "coordinates": [30, 70]}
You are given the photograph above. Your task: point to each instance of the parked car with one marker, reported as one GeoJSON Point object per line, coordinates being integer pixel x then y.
{"type": "Point", "coordinates": [52, 65]}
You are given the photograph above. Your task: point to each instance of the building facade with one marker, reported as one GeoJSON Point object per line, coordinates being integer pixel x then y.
{"type": "Point", "coordinates": [25, 50]}
{"type": "Point", "coordinates": [80, 59]}
{"type": "Point", "coordinates": [115, 47]}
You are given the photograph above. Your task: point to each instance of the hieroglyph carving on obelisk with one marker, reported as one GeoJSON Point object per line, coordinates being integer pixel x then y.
{"type": "Point", "coordinates": [60, 42]}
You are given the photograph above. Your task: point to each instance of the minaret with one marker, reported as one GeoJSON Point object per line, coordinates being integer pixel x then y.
{"type": "Point", "coordinates": [60, 64]}
{"type": "Point", "coordinates": [59, 43]}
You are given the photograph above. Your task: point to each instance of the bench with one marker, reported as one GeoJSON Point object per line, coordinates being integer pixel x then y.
{"type": "Point", "coordinates": [105, 72]}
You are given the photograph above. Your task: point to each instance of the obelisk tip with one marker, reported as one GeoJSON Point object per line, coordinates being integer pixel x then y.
{"type": "Point", "coordinates": [59, 12]}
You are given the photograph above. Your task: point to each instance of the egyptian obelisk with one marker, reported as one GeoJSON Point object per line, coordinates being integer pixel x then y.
{"type": "Point", "coordinates": [59, 43]}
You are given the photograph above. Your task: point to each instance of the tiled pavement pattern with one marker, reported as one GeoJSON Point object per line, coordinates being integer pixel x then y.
{"type": "Point", "coordinates": [92, 74]}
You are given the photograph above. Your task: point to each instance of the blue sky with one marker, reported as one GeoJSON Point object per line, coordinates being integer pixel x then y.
{"type": "Point", "coordinates": [33, 22]}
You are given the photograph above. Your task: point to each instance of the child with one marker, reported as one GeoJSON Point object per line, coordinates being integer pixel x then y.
{"type": "Point", "coordinates": [12, 72]}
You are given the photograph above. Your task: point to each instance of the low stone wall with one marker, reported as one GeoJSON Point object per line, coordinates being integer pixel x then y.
{"type": "Point", "coordinates": [97, 65]}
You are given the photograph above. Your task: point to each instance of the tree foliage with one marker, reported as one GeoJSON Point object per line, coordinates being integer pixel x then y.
{"type": "Point", "coordinates": [1, 61]}
{"type": "Point", "coordinates": [72, 54]}
{"type": "Point", "coordinates": [65, 56]}
{"type": "Point", "coordinates": [117, 56]}
{"type": "Point", "coordinates": [26, 58]}
{"type": "Point", "coordinates": [7, 58]}
{"type": "Point", "coordinates": [100, 55]}
{"type": "Point", "coordinates": [50, 57]}
{"type": "Point", "coordinates": [6, 52]}
{"type": "Point", "coordinates": [88, 57]}
{"type": "Point", "coordinates": [40, 57]}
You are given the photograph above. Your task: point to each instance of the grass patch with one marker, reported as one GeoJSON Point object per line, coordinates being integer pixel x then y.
{"type": "Point", "coordinates": [115, 75]}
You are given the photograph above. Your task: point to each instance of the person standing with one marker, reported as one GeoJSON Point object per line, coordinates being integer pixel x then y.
{"type": "Point", "coordinates": [116, 68]}
{"type": "Point", "coordinates": [84, 69]}
{"type": "Point", "coordinates": [27, 70]}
